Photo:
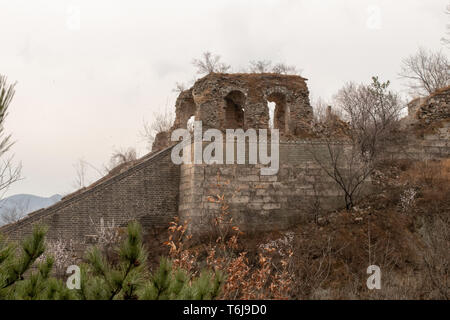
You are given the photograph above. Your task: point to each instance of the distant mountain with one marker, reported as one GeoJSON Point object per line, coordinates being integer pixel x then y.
{"type": "Point", "coordinates": [18, 206]}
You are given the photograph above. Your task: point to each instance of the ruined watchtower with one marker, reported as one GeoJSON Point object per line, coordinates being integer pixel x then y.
{"type": "Point", "coordinates": [229, 101]}
{"type": "Point", "coordinates": [154, 189]}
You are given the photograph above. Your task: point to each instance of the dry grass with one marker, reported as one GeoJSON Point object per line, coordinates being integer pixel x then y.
{"type": "Point", "coordinates": [432, 178]}
{"type": "Point", "coordinates": [329, 260]}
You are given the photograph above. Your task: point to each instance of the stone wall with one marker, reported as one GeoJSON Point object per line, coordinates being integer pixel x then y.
{"type": "Point", "coordinates": [154, 190]}
{"type": "Point", "coordinates": [229, 101]}
{"type": "Point", "coordinates": [252, 92]}
{"type": "Point", "coordinates": [258, 202]}
{"type": "Point", "coordinates": [426, 129]}
{"type": "Point", "coordinates": [435, 107]}
{"type": "Point", "coordinates": [149, 191]}
{"type": "Point", "coordinates": [423, 144]}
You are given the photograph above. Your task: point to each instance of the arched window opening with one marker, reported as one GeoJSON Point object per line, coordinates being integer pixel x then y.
{"type": "Point", "coordinates": [234, 110]}
{"type": "Point", "coordinates": [271, 106]}
{"type": "Point", "coordinates": [185, 111]}
{"type": "Point", "coordinates": [190, 124]}
{"type": "Point", "coordinates": [281, 113]}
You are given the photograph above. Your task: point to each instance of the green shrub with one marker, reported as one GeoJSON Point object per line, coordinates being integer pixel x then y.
{"type": "Point", "coordinates": [22, 277]}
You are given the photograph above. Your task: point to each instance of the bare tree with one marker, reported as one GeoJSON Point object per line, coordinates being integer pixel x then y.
{"type": "Point", "coordinates": [425, 72]}
{"type": "Point", "coordinates": [344, 163]}
{"type": "Point", "coordinates": [62, 251]}
{"type": "Point", "coordinates": [81, 170]}
{"type": "Point", "coordinates": [323, 110]}
{"type": "Point", "coordinates": [120, 157]}
{"type": "Point", "coordinates": [162, 122]}
{"type": "Point", "coordinates": [183, 86]}
{"type": "Point", "coordinates": [14, 212]}
{"type": "Point", "coordinates": [106, 235]}
{"type": "Point", "coordinates": [9, 173]}
{"type": "Point", "coordinates": [282, 68]}
{"type": "Point", "coordinates": [210, 63]}
{"type": "Point", "coordinates": [84, 169]}
{"type": "Point", "coordinates": [179, 87]}
{"type": "Point", "coordinates": [319, 106]}
{"type": "Point", "coordinates": [372, 111]}
{"type": "Point", "coordinates": [260, 66]}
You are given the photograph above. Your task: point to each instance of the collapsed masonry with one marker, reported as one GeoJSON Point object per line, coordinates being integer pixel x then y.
{"type": "Point", "coordinates": [230, 101]}
{"type": "Point", "coordinates": [153, 190]}
{"type": "Point", "coordinates": [426, 129]}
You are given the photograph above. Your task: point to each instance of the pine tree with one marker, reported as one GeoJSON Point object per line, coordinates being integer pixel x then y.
{"type": "Point", "coordinates": [130, 277]}
{"type": "Point", "coordinates": [169, 283]}
{"type": "Point", "coordinates": [16, 261]}
{"type": "Point", "coordinates": [21, 277]}
{"type": "Point", "coordinates": [103, 280]}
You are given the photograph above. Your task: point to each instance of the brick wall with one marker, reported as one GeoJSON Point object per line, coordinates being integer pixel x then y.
{"type": "Point", "coordinates": [258, 202]}
{"type": "Point", "coordinates": [155, 190]}
{"type": "Point", "coordinates": [149, 191]}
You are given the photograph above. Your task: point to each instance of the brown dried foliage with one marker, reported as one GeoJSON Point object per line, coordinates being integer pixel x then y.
{"type": "Point", "coordinates": [266, 278]}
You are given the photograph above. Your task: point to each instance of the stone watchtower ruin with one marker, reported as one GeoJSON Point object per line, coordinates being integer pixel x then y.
{"type": "Point", "coordinates": [154, 190]}
{"type": "Point", "coordinates": [230, 101]}
{"type": "Point", "coordinates": [257, 202]}
{"type": "Point", "coordinates": [240, 101]}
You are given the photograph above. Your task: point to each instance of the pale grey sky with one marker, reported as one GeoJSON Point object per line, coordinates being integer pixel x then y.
{"type": "Point", "coordinates": [88, 72]}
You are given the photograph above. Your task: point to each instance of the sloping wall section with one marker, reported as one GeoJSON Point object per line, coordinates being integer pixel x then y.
{"type": "Point", "coordinates": [148, 191]}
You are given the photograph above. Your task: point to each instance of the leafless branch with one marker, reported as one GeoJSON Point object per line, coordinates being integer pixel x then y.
{"type": "Point", "coordinates": [282, 68]}
{"type": "Point", "coordinates": [9, 172]}
{"type": "Point", "coordinates": [425, 72]}
{"type": "Point", "coordinates": [260, 66]}
{"type": "Point", "coordinates": [179, 87]}
{"type": "Point", "coordinates": [13, 212]}
{"type": "Point", "coordinates": [162, 122]}
{"type": "Point", "coordinates": [372, 111]}
{"type": "Point", "coordinates": [121, 156]}
{"type": "Point", "coordinates": [210, 63]}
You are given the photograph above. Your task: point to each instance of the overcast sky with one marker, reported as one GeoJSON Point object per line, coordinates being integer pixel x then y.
{"type": "Point", "coordinates": [89, 72]}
